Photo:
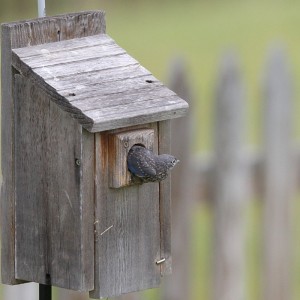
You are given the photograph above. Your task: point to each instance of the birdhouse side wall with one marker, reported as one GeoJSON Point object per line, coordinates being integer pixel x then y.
{"type": "Point", "coordinates": [54, 211]}
{"type": "Point", "coordinates": [17, 35]}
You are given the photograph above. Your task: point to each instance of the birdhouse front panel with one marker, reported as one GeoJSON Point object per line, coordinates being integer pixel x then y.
{"type": "Point", "coordinates": [127, 226]}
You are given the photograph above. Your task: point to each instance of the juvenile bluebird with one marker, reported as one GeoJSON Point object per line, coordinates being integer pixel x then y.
{"type": "Point", "coordinates": [147, 166]}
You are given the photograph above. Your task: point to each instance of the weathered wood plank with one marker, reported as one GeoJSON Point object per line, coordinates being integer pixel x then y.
{"type": "Point", "coordinates": [278, 181]}
{"type": "Point", "coordinates": [70, 204]}
{"type": "Point", "coordinates": [16, 35]}
{"type": "Point", "coordinates": [127, 223]}
{"type": "Point", "coordinates": [63, 294]}
{"type": "Point", "coordinates": [229, 184]}
{"type": "Point", "coordinates": [146, 93]}
{"type": "Point", "coordinates": [124, 85]}
{"type": "Point", "coordinates": [7, 163]}
{"type": "Point", "coordinates": [158, 105]}
{"type": "Point", "coordinates": [83, 54]}
{"type": "Point", "coordinates": [73, 68]}
{"type": "Point", "coordinates": [119, 145]}
{"type": "Point", "coordinates": [82, 79]}
{"type": "Point", "coordinates": [54, 203]}
{"type": "Point", "coordinates": [31, 222]}
{"type": "Point", "coordinates": [149, 114]}
{"type": "Point", "coordinates": [164, 141]}
{"type": "Point", "coordinates": [100, 118]}
{"type": "Point", "coordinates": [87, 191]}
{"type": "Point", "coordinates": [57, 28]}
{"type": "Point", "coordinates": [56, 65]}
{"type": "Point", "coordinates": [59, 47]}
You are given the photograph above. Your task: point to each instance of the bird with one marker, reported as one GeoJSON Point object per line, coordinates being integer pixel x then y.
{"type": "Point", "coordinates": [147, 166]}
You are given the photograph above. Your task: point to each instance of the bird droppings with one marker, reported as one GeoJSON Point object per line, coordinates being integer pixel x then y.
{"type": "Point", "coordinates": [45, 52]}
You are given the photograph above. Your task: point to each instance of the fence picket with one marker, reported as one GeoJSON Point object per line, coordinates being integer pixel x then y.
{"type": "Point", "coordinates": [229, 184]}
{"type": "Point", "coordinates": [177, 285]}
{"type": "Point", "coordinates": [278, 177]}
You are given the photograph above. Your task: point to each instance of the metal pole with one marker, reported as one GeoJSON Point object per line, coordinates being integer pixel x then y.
{"type": "Point", "coordinates": [41, 8]}
{"type": "Point", "coordinates": [45, 292]}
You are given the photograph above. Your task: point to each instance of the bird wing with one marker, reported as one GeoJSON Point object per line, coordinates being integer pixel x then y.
{"type": "Point", "coordinates": [141, 163]}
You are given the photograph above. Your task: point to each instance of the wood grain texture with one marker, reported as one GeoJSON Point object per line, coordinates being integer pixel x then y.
{"type": "Point", "coordinates": [164, 140]}
{"type": "Point", "coordinates": [127, 230]}
{"type": "Point", "coordinates": [57, 28]}
{"type": "Point", "coordinates": [119, 145]}
{"type": "Point", "coordinates": [28, 161]}
{"type": "Point", "coordinates": [278, 177]}
{"type": "Point", "coordinates": [84, 79]}
{"type": "Point", "coordinates": [87, 210]}
{"type": "Point", "coordinates": [17, 35]}
{"type": "Point", "coordinates": [70, 51]}
{"type": "Point", "coordinates": [89, 78]}
{"type": "Point", "coordinates": [7, 164]}
{"type": "Point", "coordinates": [54, 194]}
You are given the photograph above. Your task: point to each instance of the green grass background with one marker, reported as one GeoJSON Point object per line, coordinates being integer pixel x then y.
{"type": "Point", "coordinates": [154, 32]}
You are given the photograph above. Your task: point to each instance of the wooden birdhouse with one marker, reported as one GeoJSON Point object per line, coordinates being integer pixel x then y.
{"type": "Point", "coordinates": [73, 104]}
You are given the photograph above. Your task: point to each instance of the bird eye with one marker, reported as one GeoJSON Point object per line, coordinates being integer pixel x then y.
{"type": "Point", "coordinates": [174, 161]}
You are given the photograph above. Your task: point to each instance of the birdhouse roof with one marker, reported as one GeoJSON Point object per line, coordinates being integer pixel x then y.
{"type": "Point", "coordinates": [98, 83]}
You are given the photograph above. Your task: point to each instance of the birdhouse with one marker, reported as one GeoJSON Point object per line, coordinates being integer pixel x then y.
{"type": "Point", "coordinates": [73, 105]}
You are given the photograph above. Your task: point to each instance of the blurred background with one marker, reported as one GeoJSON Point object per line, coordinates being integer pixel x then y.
{"type": "Point", "coordinates": [236, 205]}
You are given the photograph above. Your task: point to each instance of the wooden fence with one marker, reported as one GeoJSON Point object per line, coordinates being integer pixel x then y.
{"type": "Point", "coordinates": [230, 179]}
{"type": "Point", "coordinates": [233, 176]}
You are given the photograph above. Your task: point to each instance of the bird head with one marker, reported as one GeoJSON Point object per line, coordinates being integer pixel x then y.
{"type": "Point", "coordinates": [169, 160]}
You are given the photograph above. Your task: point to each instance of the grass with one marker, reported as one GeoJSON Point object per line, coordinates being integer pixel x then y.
{"type": "Point", "coordinates": [201, 31]}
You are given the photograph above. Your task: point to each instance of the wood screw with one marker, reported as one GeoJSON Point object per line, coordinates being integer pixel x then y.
{"type": "Point", "coordinates": [160, 261]}
{"type": "Point", "coordinates": [77, 162]}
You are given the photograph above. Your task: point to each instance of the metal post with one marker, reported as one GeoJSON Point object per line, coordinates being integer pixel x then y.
{"type": "Point", "coordinates": [41, 8]}
{"type": "Point", "coordinates": [45, 292]}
